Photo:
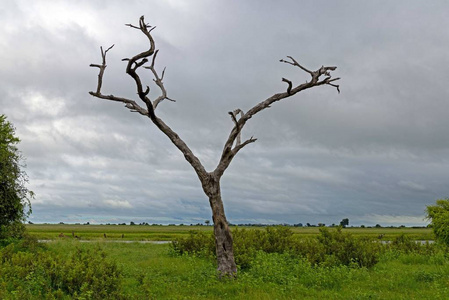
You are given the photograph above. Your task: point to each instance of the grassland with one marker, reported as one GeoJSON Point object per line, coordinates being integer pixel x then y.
{"type": "Point", "coordinates": [113, 232]}
{"type": "Point", "coordinates": [152, 271]}
{"type": "Point", "coordinates": [168, 233]}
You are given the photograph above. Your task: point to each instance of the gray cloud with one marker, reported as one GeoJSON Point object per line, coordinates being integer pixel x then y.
{"type": "Point", "coordinates": [376, 153]}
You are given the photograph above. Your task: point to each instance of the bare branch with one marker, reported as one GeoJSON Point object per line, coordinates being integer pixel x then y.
{"type": "Point", "coordinates": [139, 60]}
{"type": "Point", "coordinates": [240, 146]}
{"type": "Point", "coordinates": [234, 119]}
{"type": "Point", "coordinates": [132, 26]}
{"type": "Point", "coordinates": [163, 73]}
{"type": "Point", "coordinates": [159, 83]}
{"type": "Point", "coordinates": [102, 67]}
{"type": "Point", "coordinates": [228, 153]}
{"type": "Point", "coordinates": [132, 105]}
{"type": "Point", "coordinates": [134, 63]}
{"type": "Point", "coordinates": [295, 63]}
{"type": "Point", "coordinates": [289, 89]}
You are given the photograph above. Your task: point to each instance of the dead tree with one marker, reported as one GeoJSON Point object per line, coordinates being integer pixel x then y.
{"type": "Point", "coordinates": [210, 181]}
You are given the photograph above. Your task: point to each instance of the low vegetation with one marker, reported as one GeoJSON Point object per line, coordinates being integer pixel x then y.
{"type": "Point", "coordinates": [168, 233]}
{"type": "Point", "coordinates": [274, 263]}
{"type": "Point", "coordinates": [329, 248]}
{"type": "Point", "coordinates": [29, 270]}
{"type": "Point", "coordinates": [439, 215]}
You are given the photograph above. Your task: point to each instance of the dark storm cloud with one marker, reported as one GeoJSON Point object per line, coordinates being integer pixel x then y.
{"type": "Point", "coordinates": [376, 153]}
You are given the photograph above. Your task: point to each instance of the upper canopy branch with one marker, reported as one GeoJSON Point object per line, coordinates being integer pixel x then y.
{"type": "Point", "coordinates": [228, 153]}
{"type": "Point", "coordinates": [132, 105]}
{"type": "Point", "coordinates": [315, 74]}
{"type": "Point", "coordinates": [159, 83]}
{"type": "Point", "coordinates": [233, 144]}
{"type": "Point", "coordinates": [234, 119]}
{"type": "Point", "coordinates": [134, 63]}
{"type": "Point", "coordinates": [101, 67]}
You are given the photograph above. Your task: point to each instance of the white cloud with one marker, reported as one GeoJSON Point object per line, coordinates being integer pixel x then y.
{"type": "Point", "coordinates": [117, 203]}
{"type": "Point", "coordinates": [412, 185]}
{"type": "Point", "coordinates": [394, 220]}
{"type": "Point", "coordinates": [39, 104]}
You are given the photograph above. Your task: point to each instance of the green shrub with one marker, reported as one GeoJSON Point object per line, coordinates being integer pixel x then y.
{"type": "Point", "coordinates": [34, 273]}
{"type": "Point", "coordinates": [197, 243]}
{"type": "Point", "coordinates": [247, 243]}
{"type": "Point", "coordinates": [330, 248]}
{"type": "Point", "coordinates": [439, 216]}
{"type": "Point", "coordinates": [405, 244]}
{"type": "Point", "coordinates": [335, 247]}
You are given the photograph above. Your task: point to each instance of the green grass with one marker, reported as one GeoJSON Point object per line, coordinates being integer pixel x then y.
{"type": "Point", "coordinates": [168, 233]}
{"type": "Point", "coordinates": [152, 272]}
{"type": "Point", "coordinates": [114, 232]}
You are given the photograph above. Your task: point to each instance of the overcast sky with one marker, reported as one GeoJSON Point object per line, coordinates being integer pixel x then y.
{"type": "Point", "coordinates": [377, 153]}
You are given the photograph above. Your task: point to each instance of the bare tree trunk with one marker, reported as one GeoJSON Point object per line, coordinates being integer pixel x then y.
{"type": "Point", "coordinates": [222, 233]}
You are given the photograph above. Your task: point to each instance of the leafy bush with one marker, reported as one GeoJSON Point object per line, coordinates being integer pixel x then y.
{"type": "Point", "coordinates": [248, 242]}
{"type": "Point", "coordinates": [15, 198]}
{"type": "Point", "coordinates": [197, 243]}
{"type": "Point", "coordinates": [330, 248]}
{"type": "Point", "coordinates": [34, 273]}
{"type": "Point", "coordinates": [439, 216]}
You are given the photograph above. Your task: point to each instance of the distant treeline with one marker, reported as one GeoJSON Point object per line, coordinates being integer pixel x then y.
{"type": "Point", "coordinates": [239, 225]}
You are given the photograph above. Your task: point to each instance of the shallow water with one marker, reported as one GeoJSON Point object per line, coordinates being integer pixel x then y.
{"type": "Point", "coordinates": [112, 241]}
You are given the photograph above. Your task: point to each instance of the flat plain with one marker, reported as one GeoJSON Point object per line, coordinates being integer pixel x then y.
{"type": "Point", "coordinates": [54, 270]}
{"type": "Point", "coordinates": [168, 233]}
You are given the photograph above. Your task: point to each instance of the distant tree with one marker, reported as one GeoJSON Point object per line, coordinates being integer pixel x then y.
{"type": "Point", "coordinates": [132, 223]}
{"type": "Point", "coordinates": [344, 222]}
{"type": "Point", "coordinates": [207, 222]}
{"type": "Point", "coordinates": [378, 226]}
{"type": "Point", "coordinates": [439, 216]}
{"type": "Point", "coordinates": [210, 181]}
{"type": "Point", "coordinates": [15, 198]}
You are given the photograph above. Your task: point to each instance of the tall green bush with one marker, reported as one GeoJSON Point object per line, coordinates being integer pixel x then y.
{"type": "Point", "coordinates": [439, 216]}
{"type": "Point", "coordinates": [14, 196]}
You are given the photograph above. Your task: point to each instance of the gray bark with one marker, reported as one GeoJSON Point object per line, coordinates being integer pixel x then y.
{"type": "Point", "coordinates": [222, 233]}
{"type": "Point", "coordinates": [210, 181]}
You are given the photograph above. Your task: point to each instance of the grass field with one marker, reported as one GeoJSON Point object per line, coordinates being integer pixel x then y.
{"type": "Point", "coordinates": [152, 271]}
{"type": "Point", "coordinates": [126, 232]}
{"type": "Point", "coordinates": [168, 233]}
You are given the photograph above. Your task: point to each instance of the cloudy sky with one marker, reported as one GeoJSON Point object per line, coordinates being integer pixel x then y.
{"type": "Point", "coordinates": [377, 153]}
